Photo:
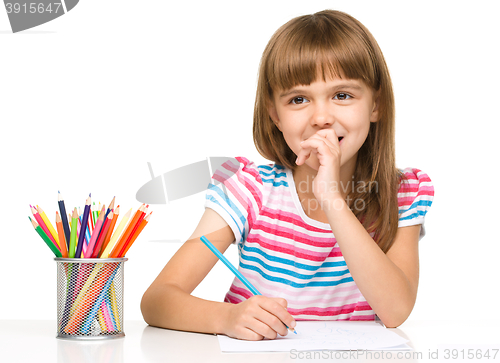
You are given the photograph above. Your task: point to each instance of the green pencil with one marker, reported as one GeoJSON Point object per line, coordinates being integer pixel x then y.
{"type": "Point", "coordinates": [45, 238]}
{"type": "Point", "coordinates": [72, 242]}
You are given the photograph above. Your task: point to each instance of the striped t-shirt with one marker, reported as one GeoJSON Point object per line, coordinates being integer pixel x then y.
{"type": "Point", "coordinates": [286, 254]}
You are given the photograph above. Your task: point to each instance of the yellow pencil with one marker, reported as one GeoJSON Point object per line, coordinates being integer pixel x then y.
{"type": "Point", "coordinates": [114, 305]}
{"type": "Point", "coordinates": [116, 234]}
{"type": "Point", "coordinates": [49, 225]}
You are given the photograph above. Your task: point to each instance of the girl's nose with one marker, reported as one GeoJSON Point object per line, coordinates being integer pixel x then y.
{"type": "Point", "coordinates": [322, 117]}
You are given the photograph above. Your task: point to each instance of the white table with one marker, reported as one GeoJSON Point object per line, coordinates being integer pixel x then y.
{"type": "Point", "coordinates": [35, 341]}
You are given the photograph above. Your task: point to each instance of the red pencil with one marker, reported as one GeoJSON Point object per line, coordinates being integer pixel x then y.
{"type": "Point", "coordinates": [137, 232]}
{"type": "Point", "coordinates": [41, 223]}
{"type": "Point", "coordinates": [95, 235]}
{"type": "Point", "coordinates": [124, 237]}
{"type": "Point", "coordinates": [102, 235]}
{"type": "Point", "coordinates": [137, 224]}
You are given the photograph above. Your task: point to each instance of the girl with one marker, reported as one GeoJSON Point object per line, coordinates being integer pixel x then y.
{"type": "Point", "coordinates": [330, 230]}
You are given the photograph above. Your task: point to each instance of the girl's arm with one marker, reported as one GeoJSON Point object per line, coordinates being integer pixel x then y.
{"type": "Point", "coordinates": [389, 281]}
{"type": "Point", "coordinates": [168, 302]}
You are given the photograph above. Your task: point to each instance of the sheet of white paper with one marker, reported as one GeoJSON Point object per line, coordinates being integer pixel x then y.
{"type": "Point", "coordinates": [322, 335]}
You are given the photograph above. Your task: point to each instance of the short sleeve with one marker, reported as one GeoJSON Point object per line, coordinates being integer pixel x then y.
{"type": "Point", "coordinates": [415, 196]}
{"type": "Point", "coordinates": [235, 193]}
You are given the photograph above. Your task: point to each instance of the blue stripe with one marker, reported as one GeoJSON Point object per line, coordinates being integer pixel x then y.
{"type": "Point", "coordinates": [271, 167]}
{"type": "Point", "coordinates": [415, 212]}
{"type": "Point", "coordinates": [294, 284]}
{"type": "Point", "coordinates": [293, 273]}
{"type": "Point", "coordinates": [414, 215]}
{"type": "Point", "coordinates": [293, 263]}
{"type": "Point", "coordinates": [237, 213]}
{"type": "Point", "coordinates": [276, 175]}
{"type": "Point", "coordinates": [275, 183]}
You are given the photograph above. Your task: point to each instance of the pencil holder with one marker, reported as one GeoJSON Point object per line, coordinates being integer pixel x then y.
{"type": "Point", "coordinates": [90, 298]}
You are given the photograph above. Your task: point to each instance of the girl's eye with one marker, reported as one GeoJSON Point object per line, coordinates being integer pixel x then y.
{"type": "Point", "coordinates": [298, 100]}
{"type": "Point", "coordinates": [342, 96]}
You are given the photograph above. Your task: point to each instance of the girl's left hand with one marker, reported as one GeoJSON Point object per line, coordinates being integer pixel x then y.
{"type": "Point", "coordinates": [325, 146]}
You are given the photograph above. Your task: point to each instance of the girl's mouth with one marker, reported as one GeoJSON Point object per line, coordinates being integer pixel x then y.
{"type": "Point", "coordinates": [340, 138]}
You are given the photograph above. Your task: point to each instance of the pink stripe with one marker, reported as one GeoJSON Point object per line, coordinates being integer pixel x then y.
{"type": "Point", "coordinates": [363, 306]}
{"type": "Point", "coordinates": [241, 291]}
{"type": "Point", "coordinates": [362, 317]}
{"type": "Point", "coordinates": [295, 251]}
{"type": "Point", "coordinates": [332, 311]}
{"type": "Point", "coordinates": [250, 170]}
{"type": "Point", "coordinates": [291, 218]}
{"type": "Point", "coordinates": [232, 299]}
{"type": "Point", "coordinates": [285, 232]}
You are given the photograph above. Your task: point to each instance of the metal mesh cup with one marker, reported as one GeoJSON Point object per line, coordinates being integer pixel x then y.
{"type": "Point", "coordinates": [90, 298]}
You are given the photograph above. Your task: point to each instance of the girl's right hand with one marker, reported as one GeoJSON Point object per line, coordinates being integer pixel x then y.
{"type": "Point", "coordinates": [257, 318]}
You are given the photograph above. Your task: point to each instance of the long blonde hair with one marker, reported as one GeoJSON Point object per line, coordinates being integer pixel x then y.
{"type": "Point", "coordinates": [335, 44]}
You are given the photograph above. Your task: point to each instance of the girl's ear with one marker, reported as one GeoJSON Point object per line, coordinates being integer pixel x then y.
{"type": "Point", "coordinates": [375, 115]}
{"type": "Point", "coordinates": [271, 109]}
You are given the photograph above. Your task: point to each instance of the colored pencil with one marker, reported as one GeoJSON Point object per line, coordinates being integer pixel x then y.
{"type": "Point", "coordinates": [102, 235]}
{"type": "Point", "coordinates": [109, 233]}
{"type": "Point", "coordinates": [123, 239]}
{"type": "Point", "coordinates": [49, 225]}
{"type": "Point", "coordinates": [62, 237]}
{"type": "Point", "coordinates": [136, 226]}
{"type": "Point", "coordinates": [83, 228]}
{"type": "Point", "coordinates": [238, 274]}
{"type": "Point", "coordinates": [91, 222]}
{"type": "Point", "coordinates": [106, 277]}
{"type": "Point", "coordinates": [110, 208]}
{"type": "Point", "coordinates": [94, 216]}
{"type": "Point", "coordinates": [45, 238]}
{"type": "Point", "coordinates": [64, 218]}
{"type": "Point", "coordinates": [114, 306]}
{"type": "Point", "coordinates": [74, 232]}
{"type": "Point", "coordinates": [137, 232]}
{"type": "Point", "coordinates": [95, 235]}
{"type": "Point", "coordinates": [116, 235]}
{"type": "Point", "coordinates": [42, 225]}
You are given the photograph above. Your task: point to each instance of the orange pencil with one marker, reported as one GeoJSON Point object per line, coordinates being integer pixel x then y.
{"type": "Point", "coordinates": [124, 237]}
{"type": "Point", "coordinates": [137, 224]}
{"type": "Point", "coordinates": [62, 237]}
{"type": "Point", "coordinates": [110, 230]}
{"type": "Point", "coordinates": [137, 232]}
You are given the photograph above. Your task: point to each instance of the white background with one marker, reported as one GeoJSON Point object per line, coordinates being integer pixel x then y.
{"type": "Point", "coordinates": [88, 99]}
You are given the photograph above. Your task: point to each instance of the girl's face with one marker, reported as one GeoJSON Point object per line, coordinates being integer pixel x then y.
{"type": "Point", "coordinates": [347, 106]}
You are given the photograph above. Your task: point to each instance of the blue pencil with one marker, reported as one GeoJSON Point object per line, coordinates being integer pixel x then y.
{"type": "Point", "coordinates": [64, 218]}
{"type": "Point", "coordinates": [233, 269]}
